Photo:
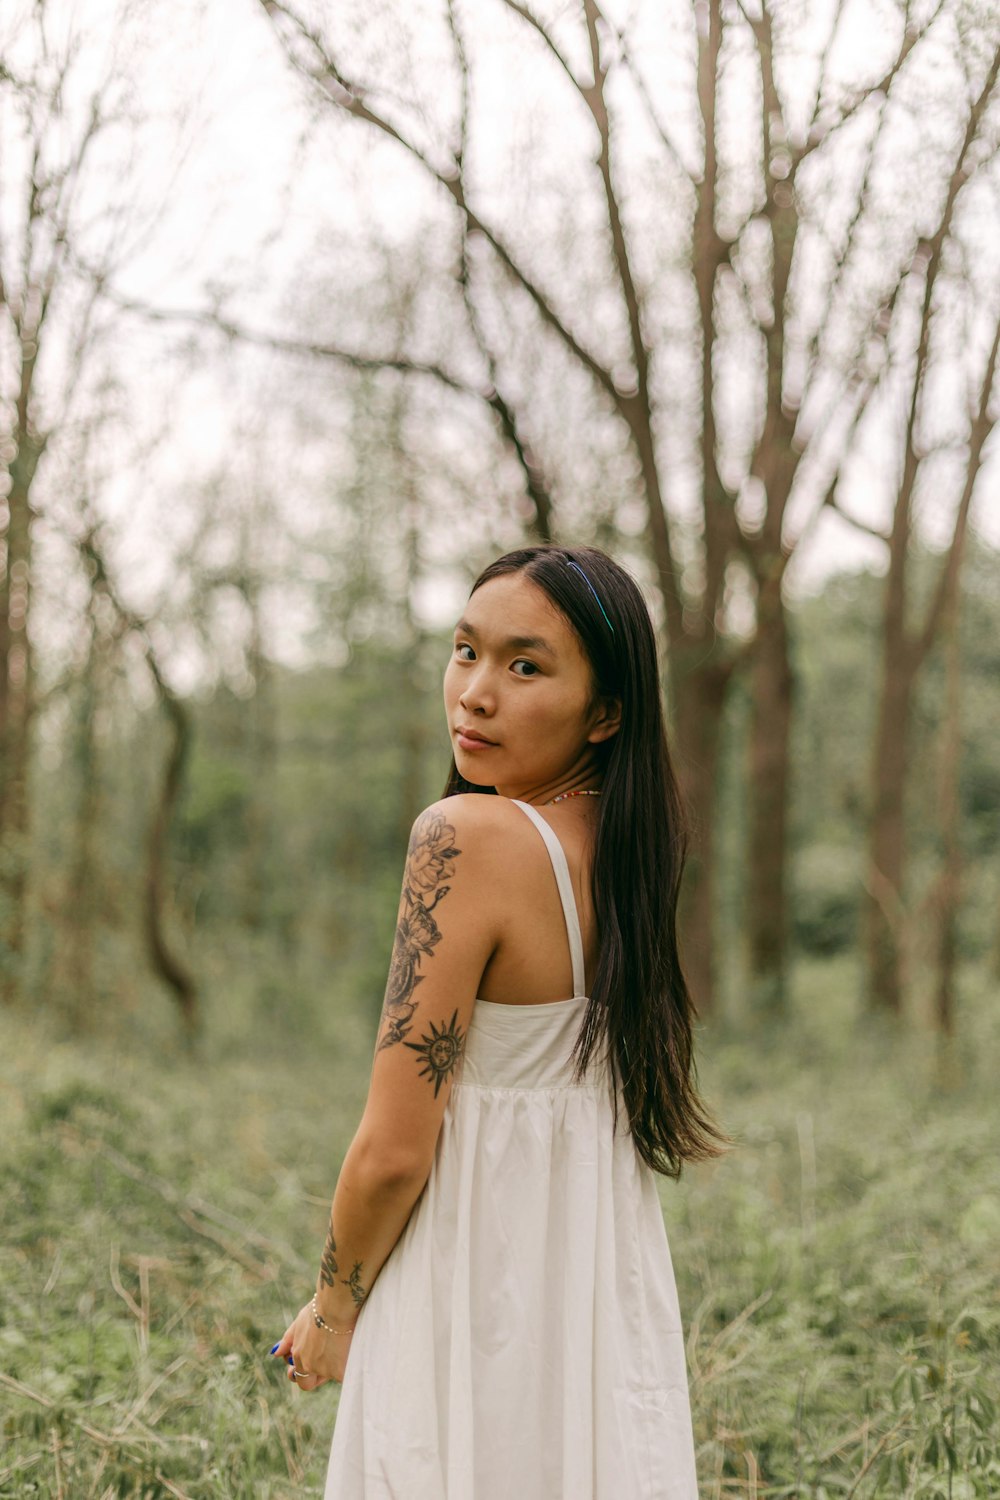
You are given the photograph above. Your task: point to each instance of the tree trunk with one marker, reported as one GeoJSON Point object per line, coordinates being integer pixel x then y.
{"type": "Point", "coordinates": [904, 652]}
{"type": "Point", "coordinates": [883, 912]}
{"type": "Point", "coordinates": [771, 693]}
{"type": "Point", "coordinates": [411, 698]}
{"type": "Point", "coordinates": [699, 700]}
{"type": "Point", "coordinates": [165, 963]}
{"type": "Point", "coordinates": [15, 720]}
{"type": "Point", "coordinates": [948, 885]}
{"type": "Point", "coordinates": [82, 901]}
{"type": "Point", "coordinates": [262, 747]}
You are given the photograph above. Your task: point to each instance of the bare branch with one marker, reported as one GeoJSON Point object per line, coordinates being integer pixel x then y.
{"type": "Point", "coordinates": [820, 132]}
{"type": "Point", "coordinates": [831, 502]}
{"type": "Point", "coordinates": [534, 477]}
{"type": "Point", "coordinates": [168, 964]}
{"type": "Point", "coordinates": [932, 251]}
{"type": "Point", "coordinates": [547, 38]}
{"type": "Point", "coordinates": [597, 104]}
{"type": "Point", "coordinates": [626, 62]}
{"type": "Point", "coordinates": [638, 410]}
{"type": "Point", "coordinates": [351, 98]}
{"type": "Point", "coordinates": [709, 253]}
{"type": "Point", "coordinates": [982, 426]}
{"type": "Point", "coordinates": [463, 74]}
{"type": "Point", "coordinates": [855, 397]}
{"type": "Point", "coordinates": [776, 458]}
{"type": "Point", "coordinates": [282, 344]}
{"type": "Point", "coordinates": [843, 257]}
{"type": "Point", "coordinates": [824, 63]}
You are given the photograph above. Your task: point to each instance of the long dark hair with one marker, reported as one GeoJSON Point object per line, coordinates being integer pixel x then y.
{"type": "Point", "coordinates": [640, 1007]}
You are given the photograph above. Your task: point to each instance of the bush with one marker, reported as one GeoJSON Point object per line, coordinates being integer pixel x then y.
{"type": "Point", "coordinates": [825, 891]}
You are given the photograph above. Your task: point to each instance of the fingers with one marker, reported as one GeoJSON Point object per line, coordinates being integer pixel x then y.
{"type": "Point", "coordinates": [290, 1349]}
{"type": "Point", "coordinates": [283, 1347]}
{"type": "Point", "coordinates": [283, 1350]}
{"type": "Point", "coordinates": [306, 1381]}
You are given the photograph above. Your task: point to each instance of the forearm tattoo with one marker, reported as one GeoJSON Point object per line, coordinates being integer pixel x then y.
{"type": "Point", "coordinates": [328, 1270]}
{"type": "Point", "coordinates": [328, 1265]}
{"type": "Point", "coordinates": [429, 864]}
{"type": "Point", "coordinates": [358, 1292]}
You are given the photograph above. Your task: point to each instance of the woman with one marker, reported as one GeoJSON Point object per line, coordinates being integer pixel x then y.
{"type": "Point", "coordinates": [523, 1337]}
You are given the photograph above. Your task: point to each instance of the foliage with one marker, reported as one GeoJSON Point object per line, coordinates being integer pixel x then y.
{"type": "Point", "coordinates": [835, 1268]}
{"type": "Point", "coordinates": [163, 1220]}
{"type": "Point", "coordinates": [290, 835]}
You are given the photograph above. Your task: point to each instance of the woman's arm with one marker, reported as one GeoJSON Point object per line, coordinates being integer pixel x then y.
{"type": "Point", "coordinates": [444, 939]}
{"type": "Point", "coordinates": [370, 1209]}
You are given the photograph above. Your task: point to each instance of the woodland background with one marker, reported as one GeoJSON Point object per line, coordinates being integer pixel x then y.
{"type": "Point", "coordinates": [308, 312]}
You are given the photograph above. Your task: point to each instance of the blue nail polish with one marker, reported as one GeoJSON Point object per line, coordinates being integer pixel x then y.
{"type": "Point", "coordinates": [291, 1360]}
{"type": "Point", "coordinates": [276, 1347]}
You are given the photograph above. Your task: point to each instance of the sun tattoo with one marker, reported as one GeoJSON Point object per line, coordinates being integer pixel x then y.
{"type": "Point", "coordinates": [441, 1051]}
{"type": "Point", "coordinates": [429, 863]}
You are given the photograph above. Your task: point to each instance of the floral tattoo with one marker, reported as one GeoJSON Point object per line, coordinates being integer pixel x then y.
{"type": "Point", "coordinates": [429, 864]}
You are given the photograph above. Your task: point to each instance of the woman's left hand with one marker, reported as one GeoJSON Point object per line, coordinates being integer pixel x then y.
{"type": "Point", "coordinates": [320, 1355]}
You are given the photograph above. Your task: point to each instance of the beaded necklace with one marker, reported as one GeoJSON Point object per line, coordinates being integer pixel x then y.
{"type": "Point", "coordinates": [586, 791]}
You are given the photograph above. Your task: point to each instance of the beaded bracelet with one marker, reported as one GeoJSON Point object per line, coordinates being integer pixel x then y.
{"type": "Point", "coordinates": [318, 1320]}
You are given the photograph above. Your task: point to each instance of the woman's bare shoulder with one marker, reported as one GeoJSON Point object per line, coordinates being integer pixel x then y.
{"type": "Point", "coordinates": [470, 822]}
{"type": "Point", "coordinates": [474, 813]}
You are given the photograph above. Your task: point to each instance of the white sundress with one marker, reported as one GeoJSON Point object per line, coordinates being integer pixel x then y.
{"type": "Point", "coordinates": [523, 1339]}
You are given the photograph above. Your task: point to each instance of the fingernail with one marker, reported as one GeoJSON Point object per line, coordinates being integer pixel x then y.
{"type": "Point", "coordinates": [291, 1360]}
{"type": "Point", "coordinates": [276, 1347]}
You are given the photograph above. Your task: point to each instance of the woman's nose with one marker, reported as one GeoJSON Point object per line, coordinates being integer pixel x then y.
{"type": "Point", "coordinates": [476, 693]}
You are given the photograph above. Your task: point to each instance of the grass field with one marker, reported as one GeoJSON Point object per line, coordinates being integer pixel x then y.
{"type": "Point", "coordinates": [838, 1273]}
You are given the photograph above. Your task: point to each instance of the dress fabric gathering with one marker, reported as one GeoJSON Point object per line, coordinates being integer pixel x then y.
{"type": "Point", "coordinates": [523, 1340]}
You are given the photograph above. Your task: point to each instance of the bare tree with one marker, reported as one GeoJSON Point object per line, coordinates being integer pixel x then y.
{"type": "Point", "coordinates": [753, 237]}
{"type": "Point", "coordinates": [33, 252]}
{"type": "Point", "coordinates": [165, 961]}
{"type": "Point", "coordinates": [905, 648]}
{"type": "Point", "coordinates": [946, 892]}
{"type": "Point", "coordinates": [64, 105]}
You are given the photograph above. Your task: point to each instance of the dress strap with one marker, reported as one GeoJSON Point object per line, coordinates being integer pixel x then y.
{"type": "Point", "coordinates": [560, 866]}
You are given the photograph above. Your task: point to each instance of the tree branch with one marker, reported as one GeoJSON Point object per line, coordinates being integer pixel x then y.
{"type": "Point", "coordinates": [831, 502]}
{"type": "Point", "coordinates": [775, 459]}
{"type": "Point", "coordinates": [824, 64]}
{"type": "Point", "coordinates": [547, 38]}
{"type": "Point", "coordinates": [709, 253]}
{"type": "Point", "coordinates": [982, 426]}
{"type": "Point", "coordinates": [625, 58]}
{"type": "Point", "coordinates": [282, 344]}
{"type": "Point", "coordinates": [820, 132]}
{"type": "Point", "coordinates": [858, 394]}
{"type": "Point", "coordinates": [351, 98]}
{"type": "Point", "coordinates": [933, 250]}
{"type": "Point", "coordinates": [166, 963]}
{"type": "Point", "coordinates": [534, 476]}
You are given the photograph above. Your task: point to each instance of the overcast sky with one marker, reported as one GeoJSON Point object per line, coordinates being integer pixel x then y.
{"type": "Point", "coordinates": [264, 174]}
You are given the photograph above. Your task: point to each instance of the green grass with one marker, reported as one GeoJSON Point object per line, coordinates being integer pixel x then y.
{"type": "Point", "coordinates": [163, 1219]}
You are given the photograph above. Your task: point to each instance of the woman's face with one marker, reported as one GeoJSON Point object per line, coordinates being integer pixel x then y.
{"type": "Point", "coordinates": [518, 677]}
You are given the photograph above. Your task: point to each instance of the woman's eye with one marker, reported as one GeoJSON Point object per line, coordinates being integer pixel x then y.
{"type": "Point", "coordinates": [521, 661]}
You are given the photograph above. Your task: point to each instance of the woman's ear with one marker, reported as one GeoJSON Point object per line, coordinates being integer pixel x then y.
{"type": "Point", "coordinates": [607, 722]}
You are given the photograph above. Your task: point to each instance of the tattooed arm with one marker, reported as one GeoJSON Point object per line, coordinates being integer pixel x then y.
{"type": "Point", "coordinates": [370, 1210]}
{"type": "Point", "coordinates": [443, 941]}
{"type": "Point", "coordinates": [369, 1213]}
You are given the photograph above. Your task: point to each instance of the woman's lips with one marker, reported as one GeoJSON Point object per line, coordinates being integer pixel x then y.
{"type": "Point", "coordinates": [469, 744]}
